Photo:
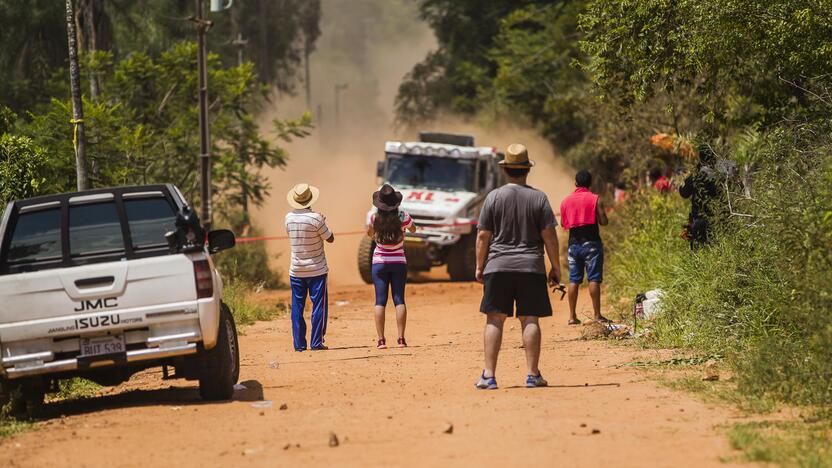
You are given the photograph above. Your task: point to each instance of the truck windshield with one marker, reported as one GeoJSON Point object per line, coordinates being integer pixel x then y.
{"type": "Point", "coordinates": [431, 172]}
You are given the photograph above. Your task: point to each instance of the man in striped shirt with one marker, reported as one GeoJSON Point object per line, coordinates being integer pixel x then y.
{"type": "Point", "coordinates": [308, 271]}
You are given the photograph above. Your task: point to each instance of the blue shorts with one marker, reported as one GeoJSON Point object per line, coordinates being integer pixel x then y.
{"type": "Point", "coordinates": [389, 277]}
{"type": "Point", "coordinates": [587, 256]}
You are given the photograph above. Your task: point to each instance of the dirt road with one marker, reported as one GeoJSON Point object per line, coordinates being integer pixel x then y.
{"type": "Point", "coordinates": [391, 407]}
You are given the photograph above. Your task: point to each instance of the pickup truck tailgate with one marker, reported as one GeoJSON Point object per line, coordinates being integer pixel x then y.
{"type": "Point", "coordinates": [106, 287]}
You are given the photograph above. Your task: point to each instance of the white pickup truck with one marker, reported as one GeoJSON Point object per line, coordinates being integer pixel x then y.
{"type": "Point", "coordinates": [104, 283]}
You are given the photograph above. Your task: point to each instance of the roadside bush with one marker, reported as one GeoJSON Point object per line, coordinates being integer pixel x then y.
{"type": "Point", "coordinates": [238, 296]}
{"type": "Point", "coordinates": [21, 166]}
{"type": "Point", "coordinates": [643, 244]}
{"type": "Point", "coordinates": [249, 264]}
{"type": "Point", "coordinates": [761, 293]}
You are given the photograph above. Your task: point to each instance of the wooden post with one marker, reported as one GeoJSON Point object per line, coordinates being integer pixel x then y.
{"type": "Point", "coordinates": [78, 137]}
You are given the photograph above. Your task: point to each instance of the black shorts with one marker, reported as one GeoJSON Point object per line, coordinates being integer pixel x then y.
{"type": "Point", "coordinates": [529, 290]}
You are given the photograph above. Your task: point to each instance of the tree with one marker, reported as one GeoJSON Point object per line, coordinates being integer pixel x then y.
{"type": "Point", "coordinates": [536, 51]}
{"type": "Point", "coordinates": [77, 121]}
{"type": "Point", "coordinates": [35, 44]}
{"type": "Point", "coordinates": [449, 79]}
{"type": "Point", "coordinates": [142, 129]}
{"type": "Point", "coordinates": [21, 169]}
{"type": "Point", "coordinates": [749, 60]}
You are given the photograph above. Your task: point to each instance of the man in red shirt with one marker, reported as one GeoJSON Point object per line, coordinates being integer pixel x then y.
{"type": "Point", "coordinates": [581, 213]}
{"type": "Point", "coordinates": [659, 181]}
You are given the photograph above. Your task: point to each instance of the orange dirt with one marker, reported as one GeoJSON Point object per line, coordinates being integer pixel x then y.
{"type": "Point", "coordinates": [391, 407]}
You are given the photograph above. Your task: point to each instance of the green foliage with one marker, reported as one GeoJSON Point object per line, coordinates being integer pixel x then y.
{"type": "Point", "coordinates": [644, 248]}
{"type": "Point", "coordinates": [142, 127]}
{"type": "Point", "coordinates": [10, 426]}
{"type": "Point", "coordinates": [248, 263]}
{"type": "Point", "coordinates": [756, 293]}
{"type": "Point", "coordinates": [744, 70]}
{"type": "Point", "coordinates": [33, 34]}
{"type": "Point", "coordinates": [534, 52]}
{"type": "Point", "coordinates": [527, 66]}
{"type": "Point", "coordinates": [451, 78]}
{"type": "Point", "coordinates": [797, 444]}
{"type": "Point", "coordinates": [241, 299]}
{"type": "Point", "coordinates": [22, 164]}
{"type": "Point", "coordinates": [75, 388]}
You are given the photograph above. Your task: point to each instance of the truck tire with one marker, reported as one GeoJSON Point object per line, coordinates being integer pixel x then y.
{"type": "Point", "coordinates": [462, 259]}
{"type": "Point", "coordinates": [365, 259]}
{"type": "Point", "coordinates": [221, 365]}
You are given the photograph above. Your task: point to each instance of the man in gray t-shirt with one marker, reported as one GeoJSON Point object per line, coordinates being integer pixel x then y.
{"type": "Point", "coordinates": [516, 225]}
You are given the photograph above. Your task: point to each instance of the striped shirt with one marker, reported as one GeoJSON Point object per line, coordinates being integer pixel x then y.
{"type": "Point", "coordinates": [392, 253]}
{"type": "Point", "coordinates": [307, 232]}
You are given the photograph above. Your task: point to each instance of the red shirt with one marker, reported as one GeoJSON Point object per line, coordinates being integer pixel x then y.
{"type": "Point", "coordinates": [662, 184]}
{"type": "Point", "coordinates": [578, 209]}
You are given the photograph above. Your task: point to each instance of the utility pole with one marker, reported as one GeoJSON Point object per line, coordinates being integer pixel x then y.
{"type": "Point", "coordinates": [78, 136]}
{"type": "Point", "coordinates": [338, 88]}
{"type": "Point", "coordinates": [240, 43]}
{"type": "Point", "coordinates": [202, 26]}
{"type": "Point", "coordinates": [308, 78]}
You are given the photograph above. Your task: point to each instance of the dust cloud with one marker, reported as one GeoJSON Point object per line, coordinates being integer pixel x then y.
{"type": "Point", "coordinates": [366, 47]}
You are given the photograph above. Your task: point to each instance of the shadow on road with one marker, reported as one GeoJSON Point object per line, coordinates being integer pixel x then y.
{"type": "Point", "coordinates": [614, 384]}
{"type": "Point", "coordinates": [177, 396]}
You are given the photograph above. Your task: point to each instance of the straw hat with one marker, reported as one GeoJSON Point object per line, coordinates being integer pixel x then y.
{"type": "Point", "coordinates": [387, 198]}
{"type": "Point", "coordinates": [517, 156]}
{"type": "Point", "coordinates": [302, 196]}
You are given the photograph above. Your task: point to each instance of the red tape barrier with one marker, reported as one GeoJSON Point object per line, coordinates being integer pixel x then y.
{"type": "Point", "coordinates": [243, 240]}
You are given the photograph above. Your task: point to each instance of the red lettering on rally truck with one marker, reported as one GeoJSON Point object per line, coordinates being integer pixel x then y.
{"type": "Point", "coordinates": [420, 195]}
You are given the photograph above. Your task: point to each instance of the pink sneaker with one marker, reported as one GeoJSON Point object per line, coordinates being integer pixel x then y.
{"type": "Point", "coordinates": [402, 343]}
{"type": "Point", "coordinates": [382, 344]}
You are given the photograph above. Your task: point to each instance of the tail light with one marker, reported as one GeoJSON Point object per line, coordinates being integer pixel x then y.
{"type": "Point", "coordinates": [204, 279]}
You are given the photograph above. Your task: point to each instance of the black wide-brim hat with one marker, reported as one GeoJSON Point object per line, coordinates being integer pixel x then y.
{"type": "Point", "coordinates": [387, 198]}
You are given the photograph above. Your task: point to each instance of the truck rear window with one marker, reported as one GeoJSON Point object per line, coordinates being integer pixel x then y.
{"type": "Point", "coordinates": [149, 220]}
{"type": "Point", "coordinates": [37, 237]}
{"type": "Point", "coordinates": [94, 229]}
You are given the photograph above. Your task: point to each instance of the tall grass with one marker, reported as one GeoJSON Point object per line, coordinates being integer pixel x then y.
{"type": "Point", "coordinates": [761, 292]}
{"type": "Point", "coordinates": [248, 263]}
{"type": "Point", "coordinates": [239, 296]}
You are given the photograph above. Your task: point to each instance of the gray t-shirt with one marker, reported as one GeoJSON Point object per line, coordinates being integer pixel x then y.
{"type": "Point", "coordinates": [516, 214]}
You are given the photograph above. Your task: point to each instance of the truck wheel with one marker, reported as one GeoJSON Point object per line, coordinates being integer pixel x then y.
{"type": "Point", "coordinates": [221, 365]}
{"type": "Point", "coordinates": [462, 259]}
{"type": "Point", "coordinates": [365, 259]}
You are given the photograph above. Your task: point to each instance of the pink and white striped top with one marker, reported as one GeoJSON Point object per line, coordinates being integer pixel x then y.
{"type": "Point", "coordinates": [392, 253]}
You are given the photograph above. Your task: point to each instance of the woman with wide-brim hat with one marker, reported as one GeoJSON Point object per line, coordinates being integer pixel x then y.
{"type": "Point", "coordinates": [389, 271]}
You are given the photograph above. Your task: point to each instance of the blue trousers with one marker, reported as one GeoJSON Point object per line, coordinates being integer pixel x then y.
{"type": "Point", "coordinates": [315, 287]}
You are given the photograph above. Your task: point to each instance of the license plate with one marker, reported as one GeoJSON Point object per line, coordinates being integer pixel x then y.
{"type": "Point", "coordinates": [101, 345]}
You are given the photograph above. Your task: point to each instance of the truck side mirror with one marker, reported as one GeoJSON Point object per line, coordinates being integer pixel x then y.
{"type": "Point", "coordinates": [380, 169]}
{"type": "Point", "coordinates": [221, 239]}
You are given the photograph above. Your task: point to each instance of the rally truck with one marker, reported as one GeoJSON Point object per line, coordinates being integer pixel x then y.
{"type": "Point", "coordinates": [444, 179]}
{"type": "Point", "coordinates": [104, 283]}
